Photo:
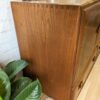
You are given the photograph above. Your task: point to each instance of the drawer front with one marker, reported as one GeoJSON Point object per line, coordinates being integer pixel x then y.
{"type": "Point", "coordinates": [94, 13]}
{"type": "Point", "coordinates": [87, 45]}
{"type": "Point", "coordinates": [88, 38]}
{"type": "Point", "coordinates": [83, 78]}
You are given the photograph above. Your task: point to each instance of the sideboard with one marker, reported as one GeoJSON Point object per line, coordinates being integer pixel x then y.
{"type": "Point", "coordinates": [61, 41]}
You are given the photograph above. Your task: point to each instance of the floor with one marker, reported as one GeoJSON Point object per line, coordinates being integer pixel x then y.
{"type": "Point", "coordinates": [91, 90]}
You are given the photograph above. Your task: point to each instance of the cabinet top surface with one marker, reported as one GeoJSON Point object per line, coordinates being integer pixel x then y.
{"type": "Point", "coordinates": [64, 2]}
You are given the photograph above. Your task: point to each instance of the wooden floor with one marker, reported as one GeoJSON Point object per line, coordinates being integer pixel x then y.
{"type": "Point", "coordinates": [91, 90]}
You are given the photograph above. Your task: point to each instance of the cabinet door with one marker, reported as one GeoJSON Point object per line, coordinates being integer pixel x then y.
{"type": "Point", "coordinates": [87, 44]}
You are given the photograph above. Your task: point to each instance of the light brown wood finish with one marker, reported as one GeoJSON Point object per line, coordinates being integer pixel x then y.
{"type": "Point", "coordinates": [91, 89]}
{"type": "Point", "coordinates": [87, 49]}
{"type": "Point", "coordinates": [41, 37]}
{"type": "Point", "coordinates": [59, 42]}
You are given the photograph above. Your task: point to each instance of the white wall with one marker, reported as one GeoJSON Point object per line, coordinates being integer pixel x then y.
{"type": "Point", "coordinates": [8, 43]}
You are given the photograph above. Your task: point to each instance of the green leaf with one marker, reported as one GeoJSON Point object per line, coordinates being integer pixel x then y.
{"type": "Point", "coordinates": [31, 92]}
{"type": "Point", "coordinates": [5, 86]}
{"type": "Point", "coordinates": [15, 67]}
{"type": "Point", "coordinates": [19, 85]}
{"type": "Point", "coordinates": [1, 98]}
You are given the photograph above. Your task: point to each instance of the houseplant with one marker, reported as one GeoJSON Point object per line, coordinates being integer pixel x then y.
{"type": "Point", "coordinates": [21, 89]}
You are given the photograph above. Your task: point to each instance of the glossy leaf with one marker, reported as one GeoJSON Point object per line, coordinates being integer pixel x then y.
{"type": "Point", "coordinates": [31, 92]}
{"type": "Point", "coordinates": [15, 67]}
{"type": "Point", "coordinates": [1, 98]}
{"type": "Point", "coordinates": [5, 86]}
{"type": "Point", "coordinates": [19, 85]}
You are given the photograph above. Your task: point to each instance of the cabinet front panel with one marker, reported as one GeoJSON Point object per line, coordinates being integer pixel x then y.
{"type": "Point", "coordinates": [98, 38]}
{"type": "Point", "coordinates": [87, 45]}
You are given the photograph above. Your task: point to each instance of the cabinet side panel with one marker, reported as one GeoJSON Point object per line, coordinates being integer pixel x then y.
{"type": "Point", "coordinates": [47, 36]}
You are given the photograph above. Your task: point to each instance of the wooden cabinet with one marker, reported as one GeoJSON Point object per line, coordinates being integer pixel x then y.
{"type": "Point", "coordinates": [61, 42]}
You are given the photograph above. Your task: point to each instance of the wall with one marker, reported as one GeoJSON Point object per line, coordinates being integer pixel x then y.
{"type": "Point", "coordinates": [8, 43]}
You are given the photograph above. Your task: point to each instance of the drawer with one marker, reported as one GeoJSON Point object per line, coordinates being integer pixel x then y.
{"type": "Point", "coordinates": [86, 73]}
{"type": "Point", "coordinates": [93, 13]}
{"type": "Point", "coordinates": [89, 36]}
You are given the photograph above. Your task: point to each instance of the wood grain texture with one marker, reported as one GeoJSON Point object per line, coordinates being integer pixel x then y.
{"type": "Point", "coordinates": [59, 41]}
{"type": "Point", "coordinates": [88, 36]}
{"type": "Point", "coordinates": [87, 50]}
{"type": "Point", "coordinates": [91, 88]}
{"type": "Point", "coordinates": [46, 40]}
